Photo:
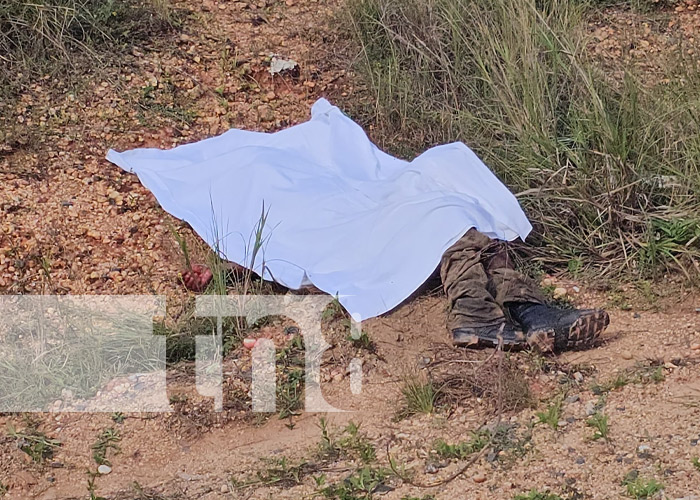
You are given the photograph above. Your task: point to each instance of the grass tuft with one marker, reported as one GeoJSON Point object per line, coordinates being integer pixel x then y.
{"type": "Point", "coordinates": [607, 170]}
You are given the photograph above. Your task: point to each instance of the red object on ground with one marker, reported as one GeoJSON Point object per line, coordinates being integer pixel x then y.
{"type": "Point", "coordinates": [197, 278]}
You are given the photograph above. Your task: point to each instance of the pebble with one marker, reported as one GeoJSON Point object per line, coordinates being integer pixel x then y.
{"type": "Point", "coordinates": [104, 469]}
{"type": "Point", "coordinates": [562, 423]}
{"type": "Point", "coordinates": [626, 355]}
{"type": "Point", "coordinates": [224, 489]}
{"type": "Point", "coordinates": [590, 408]}
{"type": "Point", "coordinates": [580, 461]}
{"type": "Point", "coordinates": [573, 399]}
{"type": "Point", "coordinates": [578, 377]}
{"type": "Point", "coordinates": [559, 292]}
{"type": "Point", "coordinates": [695, 347]}
{"type": "Point", "coordinates": [479, 478]}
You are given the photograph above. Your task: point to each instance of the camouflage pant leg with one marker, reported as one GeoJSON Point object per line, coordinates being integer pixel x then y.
{"type": "Point", "coordinates": [465, 282]}
{"type": "Point", "coordinates": [476, 292]}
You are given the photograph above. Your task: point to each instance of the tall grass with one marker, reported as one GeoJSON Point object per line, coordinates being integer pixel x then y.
{"type": "Point", "coordinates": [39, 36]}
{"type": "Point", "coordinates": [608, 171]}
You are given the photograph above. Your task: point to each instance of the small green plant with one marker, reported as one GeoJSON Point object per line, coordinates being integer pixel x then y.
{"type": "Point", "coordinates": [696, 462]}
{"type": "Point", "coordinates": [118, 417]}
{"type": "Point", "coordinates": [537, 495]}
{"type": "Point", "coordinates": [599, 422]}
{"type": "Point", "coordinates": [476, 443]}
{"type": "Point", "coordinates": [349, 444]}
{"type": "Point", "coordinates": [638, 487]}
{"type": "Point", "coordinates": [35, 443]}
{"type": "Point", "coordinates": [3, 490]}
{"type": "Point", "coordinates": [363, 342]}
{"type": "Point", "coordinates": [357, 486]}
{"type": "Point", "coordinates": [419, 396]}
{"type": "Point", "coordinates": [552, 414]}
{"type": "Point", "coordinates": [107, 440]}
{"type": "Point", "coordinates": [424, 497]}
{"type": "Point", "coordinates": [92, 488]}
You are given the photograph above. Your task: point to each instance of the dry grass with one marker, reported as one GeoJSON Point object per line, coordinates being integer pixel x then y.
{"type": "Point", "coordinates": [606, 170]}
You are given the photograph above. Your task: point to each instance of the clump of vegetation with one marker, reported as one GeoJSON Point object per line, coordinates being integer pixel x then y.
{"type": "Point", "coordinates": [537, 495]}
{"type": "Point", "coordinates": [358, 485]}
{"type": "Point", "coordinates": [47, 35]}
{"type": "Point", "coordinates": [605, 169]}
{"type": "Point", "coordinates": [476, 443]}
{"type": "Point", "coordinates": [639, 487]}
{"type": "Point", "coordinates": [643, 372]}
{"type": "Point", "coordinates": [599, 422]}
{"type": "Point", "coordinates": [35, 443]}
{"type": "Point", "coordinates": [696, 462]}
{"type": "Point", "coordinates": [107, 440]}
{"type": "Point", "coordinates": [552, 414]}
{"type": "Point", "coordinates": [349, 444]}
{"type": "Point", "coordinates": [419, 396]}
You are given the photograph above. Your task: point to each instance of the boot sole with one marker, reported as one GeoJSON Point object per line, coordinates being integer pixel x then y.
{"type": "Point", "coordinates": [581, 334]}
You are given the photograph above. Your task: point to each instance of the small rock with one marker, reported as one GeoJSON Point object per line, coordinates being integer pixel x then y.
{"type": "Point", "coordinates": [573, 399]}
{"type": "Point", "coordinates": [578, 377]}
{"type": "Point", "coordinates": [266, 113]}
{"type": "Point", "coordinates": [430, 468]}
{"type": "Point", "coordinates": [695, 347]}
{"type": "Point", "coordinates": [576, 289]}
{"type": "Point", "coordinates": [580, 461]}
{"type": "Point", "coordinates": [644, 451]}
{"type": "Point", "coordinates": [224, 489]}
{"type": "Point", "coordinates": [559, 292]}
{"type": "Point", "coordinates": [626, 355]}
{"type": "Point", "coordinates": [104, 469]}
{"type": "Point", "coordinates": [590, 408]}
{"type": "Point", "coordinates": [562, 423]}
{"type": "Point", "coordinates": [479, 478]}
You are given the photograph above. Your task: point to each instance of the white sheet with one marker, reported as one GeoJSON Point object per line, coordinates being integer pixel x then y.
{"type": "Point", "coordinates": [342, 214]}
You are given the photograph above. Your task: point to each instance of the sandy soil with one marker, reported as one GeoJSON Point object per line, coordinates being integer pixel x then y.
{"type": "Point", "coordinates": [74, 223]}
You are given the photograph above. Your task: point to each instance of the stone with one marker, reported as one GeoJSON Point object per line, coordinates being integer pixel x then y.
{"type": "Point", "coordinates": [479, 478]}
{"type": "Point", "coordinates": [573, 399]}
{"type": "Point", "coordinates": [590, 408]}
{"type": "Point", "coordinates": [626, 355]}
{"type": "Point", "coordinates": [559, 292]}
{"type": "Point", "coordinates": [578, 377]}
{"type": "Point", "coordinates": [104, 469]}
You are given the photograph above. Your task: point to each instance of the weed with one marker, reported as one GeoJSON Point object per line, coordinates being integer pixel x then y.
{"type": "Point", "coordinates": [92, 488]}
{"type": "Point", "coordinates": [552, 415]}
{"type": "Point", "coordinates": [34, 443]}
{"type": "Point", "coordinates": [537, 495]}
{"type": "Point", "coordinates": [107, 440]}
{"type": "Point", "coordinates": [358, 485]}
{"type": "Point", "coordinates": [363, 342]}
{"type": "Point", "coordinates": [476, 443]}
{"type": "Point", "coordinates": [349, 444]}
{"type": "Point", "coordinates": [290, 379]}
{"type": "Point", "coordinates": [419, 396]}
{"type": "Point", "coordinates": [3, 490]}
{"type": "Point", "coordinates": [118, 417]}
{"type": "Point", "coordinates": [599, 422]}
{"type": "Point", "coordinates": [643, 372]}
{"type": "Point", "coordinates": [696, 462]}
{"type": "Point", "coordinates": [638, 487]}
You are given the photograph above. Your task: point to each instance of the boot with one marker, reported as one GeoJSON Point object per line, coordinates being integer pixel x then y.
{"type": "Point", "coordinates": [490, 335]}
{"type": "Point", "coordinates": [552, 329]}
